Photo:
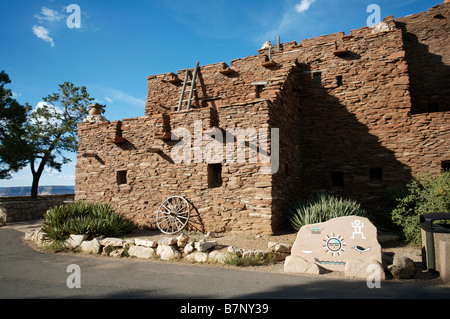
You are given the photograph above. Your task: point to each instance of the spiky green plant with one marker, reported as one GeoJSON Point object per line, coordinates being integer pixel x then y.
{"type": "Point", "coordinates": [84, 218]}
{"type": "Point", "coordinates": [321, 207]}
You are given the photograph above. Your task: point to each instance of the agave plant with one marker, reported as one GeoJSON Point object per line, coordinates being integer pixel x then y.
{"type": "Point", "coordinates": [84, 218]}
{"type": "Point", "coordinates": [322, 207]}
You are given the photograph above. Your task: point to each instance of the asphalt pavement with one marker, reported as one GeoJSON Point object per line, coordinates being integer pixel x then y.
{"type": "Point", "coordinates": [26, 273]}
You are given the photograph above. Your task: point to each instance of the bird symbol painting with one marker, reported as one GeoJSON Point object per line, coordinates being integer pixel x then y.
{"type": "Point", "coordinates": [360, 249]}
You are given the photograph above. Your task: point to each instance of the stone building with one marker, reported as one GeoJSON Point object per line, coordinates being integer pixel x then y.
{"type": "Point", "coordinates": [356, 115]}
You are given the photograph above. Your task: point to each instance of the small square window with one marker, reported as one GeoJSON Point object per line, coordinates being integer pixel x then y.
{"type": "Point", "coordinates": [376, 175]}
{"type": "Point", "coordinates": [214, 175]}
{"type": "Point", "coordinates": [446, 166]}
{"type": "Point", "coordinates": [259, 90]}
{"type": "Point", "coordinates": [317, 78]}
{"type": "Point", "coordinates": [337, 179]}
{"type": "Point", "coordinates": [339, 80]}
{"type": "Point", "coordinates": [121, 177]}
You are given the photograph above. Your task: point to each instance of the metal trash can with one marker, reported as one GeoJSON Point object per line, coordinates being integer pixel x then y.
{"type": "Point", "coordinates": [431, 234]}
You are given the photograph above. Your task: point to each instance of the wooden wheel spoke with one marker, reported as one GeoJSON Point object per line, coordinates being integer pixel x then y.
{"type": "Point", "coordinates": [173, 215]}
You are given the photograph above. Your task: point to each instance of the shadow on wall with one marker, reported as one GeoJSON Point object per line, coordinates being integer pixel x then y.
{"type": "Point", "coordinates": [336, 152]}
{"type": "Point", "coordinates": [429, 76]}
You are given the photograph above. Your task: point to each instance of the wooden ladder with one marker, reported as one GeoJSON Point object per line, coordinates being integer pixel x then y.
{"type": "Point", "coordinates": [187, 82]}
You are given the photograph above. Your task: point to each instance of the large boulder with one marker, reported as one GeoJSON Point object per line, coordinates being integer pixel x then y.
{"type": "Point", "coordinates": [167, 252]}
{"type": "Point", "coordinates": [75, 240]}
{"type": "Point", "coordinates": [402, 267]}
{"type": "Point", "coordinates": [91, 246]}
{"type": "Point", "coordinates": [331, 244]}
{"type": "Point", "coordinates": [145, 242]}
{"type": "Point", "coordinates": [204, 245]}
{"type": "Point", "coordinates": [363, 269]}
{"type": "Point", "coordinates": [141, 252]}
{"type": "Point", "coordinates": [167, 241]}
{"type": "Point", "coordinates": [295, 264]}
{"type": "Point", "coordinates": [198, 256]}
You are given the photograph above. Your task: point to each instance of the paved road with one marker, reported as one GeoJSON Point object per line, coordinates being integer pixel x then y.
{"type": "Point", "coordinates": [25, 273]}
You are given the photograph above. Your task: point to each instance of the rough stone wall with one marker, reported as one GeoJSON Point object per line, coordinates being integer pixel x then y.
{"type": "Point", "coordinates": [242, 203]}
{"type": "Point", "coordinates": [427, 43]}
{"type": "Point", "coordinates": [344, 106]}
{"type": "Point", "coordinates": [16, 209]}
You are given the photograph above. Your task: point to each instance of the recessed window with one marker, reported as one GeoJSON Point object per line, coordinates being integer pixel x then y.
{"type": "Point", "coordinates": [339, 80]}
{"type": "Point", "coordinates": [259, 90]}
{"type": "Point", "coordinates": [376, 175]}
{"type": "Point", "coordinates": [214, 175]}
{"type": "Point", "coordinates": [433, 107]}
{"type": "Point", "coordinates": [446, 166]}
{"type": "Point", "coordinates": [317, 78]}
{"type": "Point", "coordinates": [121, 177]}
{"type": "Point", "coordinates": [337, 179]}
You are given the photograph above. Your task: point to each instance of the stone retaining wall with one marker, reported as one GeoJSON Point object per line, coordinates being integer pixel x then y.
{"type": "Point", "coordinates": [16, 209]}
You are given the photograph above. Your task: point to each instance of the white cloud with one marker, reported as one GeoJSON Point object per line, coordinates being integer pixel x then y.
{"type": "Point", "coordinates": [113, 95]}
{"type": "Point", "coordinates": [49, 15]}
{"type": "Point", "coordinates": [304, 5]}
{"type": "Point", "coordinates": [42, 33]}
{"type": "Point", "coordinates": [54, 112]}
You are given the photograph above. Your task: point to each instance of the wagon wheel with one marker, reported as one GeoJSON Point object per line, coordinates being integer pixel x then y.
{"type": "Point", "coordinates": [173, 215]}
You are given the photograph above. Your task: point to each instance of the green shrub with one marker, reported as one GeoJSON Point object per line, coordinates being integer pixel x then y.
{"type": "Point", "coordinates": [322, 207]}
{"type": "Point", "coordinates": [424, 195]}
{"type": "Point", "coordinates": [83, 218]}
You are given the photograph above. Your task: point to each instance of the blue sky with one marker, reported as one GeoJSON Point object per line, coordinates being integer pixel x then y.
{"type": "Point", "coordinates": [121, 42]}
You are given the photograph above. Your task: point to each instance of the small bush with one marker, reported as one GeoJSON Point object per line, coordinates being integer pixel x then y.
{"type": "Point", "coordinates": [83, 218]}
{"type": "Point", "coordinates": [322, 207]}
{"type": "Point", "coordinates": [424, 195]}
{"type": "Point", "coordinates": [250, 260]}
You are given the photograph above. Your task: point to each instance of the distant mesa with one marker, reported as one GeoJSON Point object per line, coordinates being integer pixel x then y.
{"type": "Point", "coordinates": [43, 190]}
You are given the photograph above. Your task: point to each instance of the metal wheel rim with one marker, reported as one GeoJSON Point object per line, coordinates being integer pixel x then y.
{"type": "Point", "coordinates": [173, 215]}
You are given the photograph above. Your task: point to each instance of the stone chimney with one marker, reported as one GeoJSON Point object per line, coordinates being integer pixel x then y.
{"type": "Point", "coordinates": [95, 114]}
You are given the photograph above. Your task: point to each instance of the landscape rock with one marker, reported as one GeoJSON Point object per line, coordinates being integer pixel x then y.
{"type": "Point", "coordinates": [198, 256]}
{"type": "Point", "coordinates": [362, 269]}
{"type": "Point", "coordinates": [145, 243]}
{"type": "Point", "coordinates": [280, 256]}
{"type": "Point", "coordinates": [167, 241]}
{"type": "Point", "coordinates": [141, 252]}
{"type": "Point", "coordinates": [402, 267]}
{"type": "Point", "coordinates": [217, 257]}
{"type": "Point", "coordinates": [182, 240]}
{"type": "Point", "coordinates": [111, 241]}
{"type": "Point", "coordinates": [255, 254]}
{"type": "Point", "coordinates": [332, 243]}
{"type": "Point", "coordinates": [167, 252]}
{"type": "Point", "coordinates": [189, 248]}
{"type": "Point", "coordinates": [36, 235]}
{"type": "Point", "coordinates": [117, 253]}
{"type": "Point", "coordinates": [107, 250]}
{"type": "Point", "coordinates": [279, 247]}
{"type": "Point", "coordinates": [295, 264]}
{"type": "Point", "coordinates": [204, 245]}
{"type": "Point", "coordinates": [210, 235]}
{"type": "Point", "coordinates": [91, 246]}
{"type": "Point", "coordinates": [75, 240]}
{"type": "Point", "coordinates": [234, 250]}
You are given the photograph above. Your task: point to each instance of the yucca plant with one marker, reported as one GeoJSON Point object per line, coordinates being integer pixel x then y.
{"type": "Point", "coordinates": [84, 218]}
{"type": "Point", "coordinates": [322, 207]}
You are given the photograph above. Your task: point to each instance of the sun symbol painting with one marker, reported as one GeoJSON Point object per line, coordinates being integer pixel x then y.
{"type": "Point", "coordinates": [334, 245]}
{"type": "Point", "coordinates": [331, 244]}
